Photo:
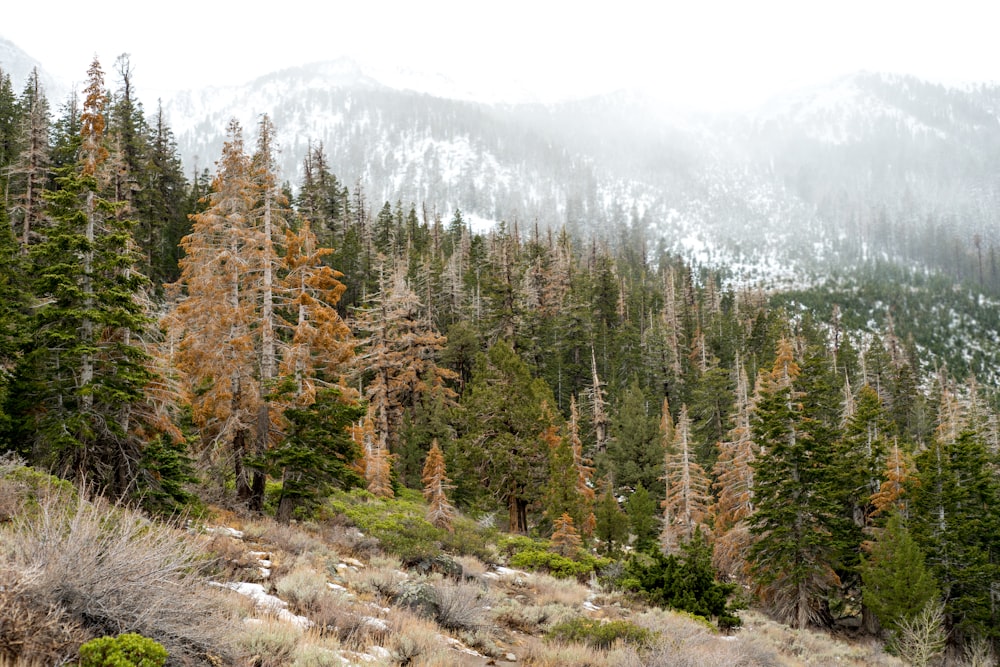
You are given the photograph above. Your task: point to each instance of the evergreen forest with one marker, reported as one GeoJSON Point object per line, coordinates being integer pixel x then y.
{"type": "Point", "coordinates": [830, 455]}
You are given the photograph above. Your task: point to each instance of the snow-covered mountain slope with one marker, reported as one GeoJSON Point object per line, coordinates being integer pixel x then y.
{"type": "Point", "coordinates": [867, 166]}
{"type": "Point", "coordinates": [18, 65]}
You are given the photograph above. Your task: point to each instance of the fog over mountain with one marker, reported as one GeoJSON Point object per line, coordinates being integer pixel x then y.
{"type": "Point", "coordinates": [862, 168]}
{"type": "Point", "coordinates": [866, 166]}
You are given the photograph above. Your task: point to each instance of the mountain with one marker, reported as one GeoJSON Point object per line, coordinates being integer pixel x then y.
{"type": "Point", "coordinates": [18, 64]}
{"type": "Point", "coordinates": [865, 167]}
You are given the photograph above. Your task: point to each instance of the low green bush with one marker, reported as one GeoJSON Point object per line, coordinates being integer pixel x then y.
{"type": "Point", "coordinates": [128, 650]}
{"type": "Point", "coordinates": [401, 528]}
{"type": "Point", "coordinates": [397, 523]}
{"type": "Point", "coordinates": [686, 582]}
{"type": "Point", "coordinates": [601, 635]}
{"type": "Point", "coordinates": [561, 567]}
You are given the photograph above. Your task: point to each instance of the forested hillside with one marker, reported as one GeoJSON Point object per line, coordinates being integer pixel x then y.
{"type": "Point", "coordinates": [263, 344]}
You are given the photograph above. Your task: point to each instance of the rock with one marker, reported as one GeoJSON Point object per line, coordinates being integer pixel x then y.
{"type": "Point", "coordinates": [419, 597]}
{"type": "Point", "coordinates": [510, 657]}
{"type": "Point", "coordinates": [440, 564]}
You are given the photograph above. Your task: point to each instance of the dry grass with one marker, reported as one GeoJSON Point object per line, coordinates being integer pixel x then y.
{"type": "Point", "coordinates": [24, 662]}
{"type": "Point", "coordinates": [530, 618]}
{"type": "Point", "coordinates": [549, 590]}
{"type": "Point", "coordinates": [303, 588]}
{"type": "Point", "coordinates": [317, 652]}
{"type": "Point", "coordinates": [290, 538]}
{"type": "Point", "coordinates": [112, 571]}
{"type": "Point", "coordinates": [233, 561]}
{"type": "Point", "coordinates": [32, 629]}
{"type": "Point", "coordinates": [472, 567]}
{"type": "Point", "coordinates": [809, 647]}
{"type": "Point", "coordinates": [349, 540]}
{"type": "Point", "coordinates": [460, 606]}
{"type": "Point", "coordinates": [381, 580]}
{"type": "Point", "coordinates": [540, 653]}
{"type": "Point", "coordinates": [351, 623]}
{"type": "Point", "coordinates": [269, 642]}
{"type": "Point", "coordinates": [414, 640]}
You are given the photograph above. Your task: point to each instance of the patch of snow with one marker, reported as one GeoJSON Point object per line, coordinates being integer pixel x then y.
{"type": "Point", "coordinates": [269, 604]}
{"type": "Point", "coordinates": [225, 530]}
{"type": "Point", "coordinates": [380, 652]}
{"type": "Point", "coordinates": [508, 572]}
{"type": "Point", "coordinates": [459, 646]}
{"type": "Point", "coordinates": [376, 624]}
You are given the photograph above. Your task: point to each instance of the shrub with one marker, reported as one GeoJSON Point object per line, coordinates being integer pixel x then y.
{"type": "Point", "coordinates": [323, 654]}
{"type": "Point", "coordinates": [687, 583]}
{"type": "Point", "coordinates": [602, 635]}
{"type": "Point", "coordinates": [24, 488]}
{"type": "Point", "coordinates": [30, 628]}
{"type": "Point", "coordinates": [128, 650]}
{"type": "Point", "coordinates": [270, 643]}
{"type": "Point", "coordinates": [920, 639]}
{"type": "Point", "coordinates": [303, 588]}
{"type": "Point", "coordinates": [556, 565]}
{"type": "Point", "coordinates": [112, 571]}
{"type": "Point", "coordinates": [413, 640]}
{"type": "Point", "coordinates": [459, 606]}
{"type": "Point", "coordinates": [530, 619]}
{"type": "Point", "coordinates": [397, 523]}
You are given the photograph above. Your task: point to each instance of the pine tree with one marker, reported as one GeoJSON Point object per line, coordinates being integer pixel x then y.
{"type": "Point", "coordinates": [268, 224]}
{"type": "Point", "coordinates": [561, 496]}
{"type": "Point", "coordinates": [955, 520]}
{"type": "Point", "coordinates": [316, 343]}
{"type": "Point", "coordinates": [565, 538]}
{"type": "Point", "coordinates": [793, 555]}
{"type": "Point", "coordinates": [14, 317]}
{"type": "Point", "coordinates": [734, 485]}
{"type": "Point", "coordinates": [377, 461]}
{"type": "Point", "coordinates": [860, 455]}
{"type": "Point", "coordinates": [436, 486]}
{"type": "Point", "coordinates": [634, 453]}
{"type": "Point", "coordinates": [687, 501]}
{"type": "Point", "coordinates": [398, 356]}
{"type": "Point", "coordinates": [86, 371]}
{"type": "Point", "coordinates": [318, 452]}
{"type": "Point", "coordinates": [897, 477]}
{"type": "Point", "coordinates": [640, 508]}
{"type": "Point", "coordinates": [164, 194]}
{"type": "Point", "coordinates": [584, 471]}
{"type": "Point", "coordinates": [501, 447]}
{"type": "Point", "coordinates": [29, 169]}
{"type": "Point", "coordinates": [611, 526]}
{"type": "Point", "coordinates": [897, 584]}
{"type": "Point", "coordinates": [214, 317]}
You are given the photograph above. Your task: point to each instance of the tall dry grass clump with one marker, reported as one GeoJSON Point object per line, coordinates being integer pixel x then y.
{"type": "Point", "coordinates": [111, 571]}
{"type": "Point", "coordinates": [32, 631]}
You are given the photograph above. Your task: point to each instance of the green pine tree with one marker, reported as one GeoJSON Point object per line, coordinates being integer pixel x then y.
{"type": "Point", "coordinates": [897, 583]}
{"type": "Point", "coordinates": [640, 508]}
{"type": "Point", "coordinates": [317, 454]}
{"type": "Point", "coordinates": [86, 372]}
{"type": "Point", "coordinates": [955, 514]}
{"type": "Point", "coordinates": [635, 452]}
{"type": "Point", "coordinates": [795, 523]}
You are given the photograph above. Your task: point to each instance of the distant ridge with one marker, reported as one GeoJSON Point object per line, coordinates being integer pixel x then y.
{"type": "Point", "coordinates": [18, 64]}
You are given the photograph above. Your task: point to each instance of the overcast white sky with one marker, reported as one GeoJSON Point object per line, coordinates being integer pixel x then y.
{"type": "Point", "coordinates": [699, 53]}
